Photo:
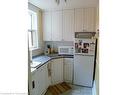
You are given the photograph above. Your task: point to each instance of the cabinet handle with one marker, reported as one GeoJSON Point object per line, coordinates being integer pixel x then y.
{"type": "Point", "coordinates": [33, 84]}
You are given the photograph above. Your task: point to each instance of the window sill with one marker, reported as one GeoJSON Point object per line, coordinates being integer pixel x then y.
{"type": "Point", "coordinates": [34, 49]}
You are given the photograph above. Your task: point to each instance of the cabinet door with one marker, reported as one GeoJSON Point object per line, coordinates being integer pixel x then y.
{"type": "Point", "coordinates": [47, 28]}
{"type": "Point", "coordinates": [68, 25]}
{"type": "Point", "coordinates": [85, 20]}
{"type": "Point", "coordinates": [57, 25]}
{"type": "Point", "coordinates": [35, 83]}
{"type": "Point", "coordinates": [78, 20]}
{"type": "Point", "coordinates": [47, 75]}
{"type": "Point", "coordinates": [89, 23]}
{"type": "Point", "coordinates": [83, 70]}
{"type": "Point", "coordinates": [68, 69]}
{"type": "Point", "coordinates": [41, 79]}
{"type": "Point", "coordinates": [57, 71]}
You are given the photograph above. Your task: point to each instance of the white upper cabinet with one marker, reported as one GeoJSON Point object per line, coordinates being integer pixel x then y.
{"type": "Point", "coordinates": [78, 20]}
{"type": "Point", "coordinates": [61, 25]}
{"type": "Point", "coordinates": [68, 25]}
{"type": "Point", "coordinates": [47, 26]}
{"type": "Point", "coordinates": [89, 19]}
{"type": "Point", "coordinates": [85, 20]}
{"type": "Point", "coordinates": [56, 25]}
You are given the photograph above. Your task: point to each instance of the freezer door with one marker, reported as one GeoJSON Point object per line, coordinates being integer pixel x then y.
{"type": "Point", "coordinates": [85, 46]}
{"type": "Point", "coordinates": [83, 70]}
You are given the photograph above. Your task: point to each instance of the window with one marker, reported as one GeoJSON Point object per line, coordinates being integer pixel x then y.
{"type": "Point", "coordinates": [32, 30]}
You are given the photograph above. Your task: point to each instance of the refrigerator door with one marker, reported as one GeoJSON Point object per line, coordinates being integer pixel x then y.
{"type": "Point", "coordinates": [85, 46]}
{"type": "Point", "coordinates": [83, 70]}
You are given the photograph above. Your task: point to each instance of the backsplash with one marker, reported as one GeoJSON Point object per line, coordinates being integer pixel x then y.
{"type": "Point", "coordinates": [55, 44]}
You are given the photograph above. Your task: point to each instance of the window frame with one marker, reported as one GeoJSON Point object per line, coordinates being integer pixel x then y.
{"type": "Point", "coordinates": [34, 32]}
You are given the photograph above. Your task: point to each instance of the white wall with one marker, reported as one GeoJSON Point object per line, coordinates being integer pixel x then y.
{"type": "Point", "coordinates": [97, 18]}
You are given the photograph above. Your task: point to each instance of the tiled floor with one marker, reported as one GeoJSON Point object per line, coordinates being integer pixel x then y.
{"type": "Point", "coordinates": [77, 90]}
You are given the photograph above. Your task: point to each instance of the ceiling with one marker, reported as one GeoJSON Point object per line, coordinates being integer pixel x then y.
{"type": "Point", "coordinates": [51, 4]}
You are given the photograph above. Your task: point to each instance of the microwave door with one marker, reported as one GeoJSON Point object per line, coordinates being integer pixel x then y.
{"type": "Point", "coordinates": [67, 50]}
{"type": "Point", "coordinates": [63, 50]}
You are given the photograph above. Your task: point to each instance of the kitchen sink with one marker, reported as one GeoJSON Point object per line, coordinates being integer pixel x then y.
{"type": "Point", "coordinates": [34, 64]}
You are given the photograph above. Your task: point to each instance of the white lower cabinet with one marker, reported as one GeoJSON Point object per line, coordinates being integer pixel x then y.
{"type": "Point", "coordinates": [35, 83]}
{"type": "Point", "coordinates": [53, 72]}
{"type": "Point", "coordinates": [48, 75]}
{"type": "Point", "coordinates": [68, 69]}
{"type": "Point", "coordinates": [62, 70]}
{"type": "Point", "coordinates": [57, 71]}
{"type": "Point", "coordinates": [39, 80]}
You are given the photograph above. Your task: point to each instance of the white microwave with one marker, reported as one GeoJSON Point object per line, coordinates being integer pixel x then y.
{"type": "Point", "coordinates": [67, 50]}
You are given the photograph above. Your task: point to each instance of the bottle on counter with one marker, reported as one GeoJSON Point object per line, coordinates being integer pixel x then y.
{"type": "Point", "coordinates": [52, 50]}
{"type": "Point", "coordinates": [49, 49]}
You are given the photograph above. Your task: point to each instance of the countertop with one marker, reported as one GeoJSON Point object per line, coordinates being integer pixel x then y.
{"type": "Point", "coordinates": [40, 60]}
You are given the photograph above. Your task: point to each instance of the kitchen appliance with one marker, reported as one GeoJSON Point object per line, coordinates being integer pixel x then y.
{"type": "Point", "coordinates": [65, 50]}
{"type": "Point", "coordinates": [84, 56]}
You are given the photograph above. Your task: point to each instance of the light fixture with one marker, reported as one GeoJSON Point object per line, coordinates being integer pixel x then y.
{"type": "Point", "coordinates": [58, 1]}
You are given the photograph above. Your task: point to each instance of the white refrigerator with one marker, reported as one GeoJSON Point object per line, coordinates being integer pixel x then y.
{"type": "Point", "coordinates": [84, 57]}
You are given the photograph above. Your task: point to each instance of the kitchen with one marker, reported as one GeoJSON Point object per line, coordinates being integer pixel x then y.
{"type": "Point", "coordinates": [60, 31]}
